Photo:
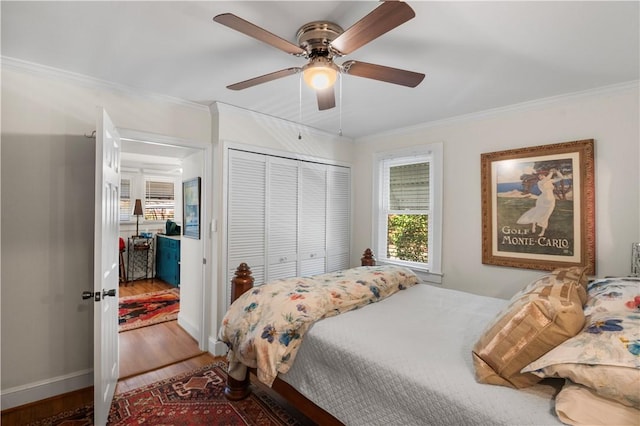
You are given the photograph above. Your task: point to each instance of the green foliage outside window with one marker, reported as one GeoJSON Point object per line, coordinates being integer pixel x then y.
{"type": "Point", "coordinates": [407, 237]}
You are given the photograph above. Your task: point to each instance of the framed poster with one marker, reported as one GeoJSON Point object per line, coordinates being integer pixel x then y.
{"type": "Point", "coordinates": [191, 208]}
{"type": "Point", "coordinates": [538, 206]}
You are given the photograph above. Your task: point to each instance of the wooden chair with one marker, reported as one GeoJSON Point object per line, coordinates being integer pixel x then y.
{"type": "Point", "coordinates": [123, 271]}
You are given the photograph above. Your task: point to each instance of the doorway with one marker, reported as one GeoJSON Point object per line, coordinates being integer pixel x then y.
{"type": "Point", "coordinates": [174, 340]}
{"type": "Point", "coordinates": [155, 345]}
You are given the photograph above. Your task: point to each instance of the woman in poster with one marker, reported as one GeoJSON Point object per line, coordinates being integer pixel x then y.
{"type": "Point", "coordinates": [546, 202]}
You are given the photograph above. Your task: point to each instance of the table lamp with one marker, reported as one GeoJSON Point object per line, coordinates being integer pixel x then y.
{"type": "Point", "coordinates": [137, 210]}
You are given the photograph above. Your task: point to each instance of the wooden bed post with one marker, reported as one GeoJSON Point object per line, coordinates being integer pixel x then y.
{"type": "Point", "coordinates": [241, 282]}
{"type": "Point", "coordinates": [239, 389]}
{"type": "Point", "coordinates": [368, 259]}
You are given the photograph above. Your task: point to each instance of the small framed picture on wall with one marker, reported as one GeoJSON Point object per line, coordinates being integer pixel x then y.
{"type": "Point", "coordinates": [191, 208]}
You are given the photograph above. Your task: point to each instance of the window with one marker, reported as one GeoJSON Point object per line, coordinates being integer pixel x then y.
{"type": "Point", "coordinates": [408, 216]}
{"type": "Point", "coordinates": [157, 192]}
{"type": "Point", "coordinates": [159, 199]}
{"type": "Point", "coordinates": [126, 207]}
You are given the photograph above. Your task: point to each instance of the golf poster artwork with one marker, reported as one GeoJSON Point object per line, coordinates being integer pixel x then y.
{"type": "Point", "coordinates": [534, 207]}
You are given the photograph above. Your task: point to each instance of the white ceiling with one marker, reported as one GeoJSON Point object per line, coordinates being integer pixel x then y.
{"type": "Point", "coordinates": [476, 55]}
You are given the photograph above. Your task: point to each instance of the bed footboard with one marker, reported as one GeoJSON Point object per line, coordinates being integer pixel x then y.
{"type": "Point", "coordinates": [241, 282]}
{"type": "Point", "coordinates": [239, 389]}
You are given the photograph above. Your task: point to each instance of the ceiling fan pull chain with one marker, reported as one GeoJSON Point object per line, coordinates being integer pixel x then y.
{"type": "Point", "coordinates": [300, 105]}
{"type": "Point", "coordinates": [340, 105]}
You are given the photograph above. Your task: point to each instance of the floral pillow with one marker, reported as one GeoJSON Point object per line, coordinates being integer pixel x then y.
{"type": "Point", "coordinates": [605, 355]}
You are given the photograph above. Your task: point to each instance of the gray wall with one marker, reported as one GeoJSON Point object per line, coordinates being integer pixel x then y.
{"type": "Point", "coordinates": [47, 256]}
{"type": "Point", "coordinates": [47, 163]}
{"type": "Point", "coordinates": [609, 116]}
{"type": "Point", "coordinates": [47, 178]}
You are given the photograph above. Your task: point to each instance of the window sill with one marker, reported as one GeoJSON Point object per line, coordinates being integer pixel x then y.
{"type": "Point", "coordinates": [423, 273]}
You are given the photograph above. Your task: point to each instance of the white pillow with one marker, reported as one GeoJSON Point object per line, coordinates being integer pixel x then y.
{"type": "Point", "coordinates": [579, 405]}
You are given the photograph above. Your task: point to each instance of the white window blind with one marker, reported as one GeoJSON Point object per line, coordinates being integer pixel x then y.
{"type": "Point", "coordinates": [409, 187]}
{"type": "Point", "coordinates": [126, 207]}
{"type": "Point", "coordinates": [159, 200]}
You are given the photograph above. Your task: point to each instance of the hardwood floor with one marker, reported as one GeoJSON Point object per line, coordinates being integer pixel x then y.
{"type": "Point", "coordinates": [127, 384]}
{"type": "Point", "coordinates": [29, 413]}
{"type": "Point", "coordinates": [149, 348]}
{"type": "Point", "coordinates": [46, 408]}
{"type": "Point", "coordinates": [160, 351]}
{"type": "Point", "coordinates": [133, 288]}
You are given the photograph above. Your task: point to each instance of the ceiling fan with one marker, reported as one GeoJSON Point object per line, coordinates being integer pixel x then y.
{"type": "Point", "coordinates": [322, 41]}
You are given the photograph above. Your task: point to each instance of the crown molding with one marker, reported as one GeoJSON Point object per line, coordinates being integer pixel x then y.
{"type": "Point", "coordinates": [10, 63]}
{"type": "Point", "coordinates": [523, 106]}
{"type": "Point", "coordinates": [218, 107]}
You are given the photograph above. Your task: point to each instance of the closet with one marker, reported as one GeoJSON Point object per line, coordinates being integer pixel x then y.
{"type": "Point", "coordinates": [286, 217]}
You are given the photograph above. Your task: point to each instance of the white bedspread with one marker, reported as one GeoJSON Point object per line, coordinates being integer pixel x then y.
{"type": "Point", "coordinates": [407, 361]}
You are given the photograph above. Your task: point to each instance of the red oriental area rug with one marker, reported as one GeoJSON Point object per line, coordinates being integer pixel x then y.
{"type": "Point", "coordinates": [147, 309]}
{"type": "Point", "coordinates": [197, 398]}
{"type": "Point", "coordinates": [191, 399]}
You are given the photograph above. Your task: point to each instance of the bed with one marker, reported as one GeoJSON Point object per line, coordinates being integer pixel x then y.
{"type": "Point", "coordinates": [423, 355]}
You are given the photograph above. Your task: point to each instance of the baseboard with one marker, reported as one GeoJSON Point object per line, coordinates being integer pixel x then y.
{"type": "Point", "coordinates": [216, 347]}
{"type": "Point", "coordinates": [189, 327]}
{"type": "Point", "coordinates": [32, 392]}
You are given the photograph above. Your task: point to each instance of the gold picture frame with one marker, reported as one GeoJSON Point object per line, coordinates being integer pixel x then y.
{"type": "Point", "coordinates": [538, 206]}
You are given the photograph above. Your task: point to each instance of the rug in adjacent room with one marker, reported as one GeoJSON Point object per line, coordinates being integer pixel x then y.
{"type": "Point", "coordinates": [147, 309]}
{"type": "Point", "coordinates": [197, 398]}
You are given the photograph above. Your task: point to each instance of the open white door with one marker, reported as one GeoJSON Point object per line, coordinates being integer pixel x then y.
{"type": "Point", "coordinates": [107, 221]}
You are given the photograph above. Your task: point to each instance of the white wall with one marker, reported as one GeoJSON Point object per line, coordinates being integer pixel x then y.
{"type": "Point", "coordinates": [232, 126]}
{"type": "Point", "coordinates": [47, 220]}
{"type": "Point", "coordinates": [608, 116]}
{"type": "Point", "coordinates": [191, 255]}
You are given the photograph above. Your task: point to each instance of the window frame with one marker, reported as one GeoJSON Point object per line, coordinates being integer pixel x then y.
{"type": "Point", "coordinates": [137, 190]}
{"type": "Point", "coordinates": [432, 270]}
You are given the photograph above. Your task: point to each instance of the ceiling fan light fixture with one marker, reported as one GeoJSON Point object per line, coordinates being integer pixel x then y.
{"type": "Point", "coordinates": [320, 73]}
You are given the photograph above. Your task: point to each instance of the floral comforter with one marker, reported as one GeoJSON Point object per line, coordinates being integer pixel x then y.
{"type": "Point", "coordinates": [264, 327]}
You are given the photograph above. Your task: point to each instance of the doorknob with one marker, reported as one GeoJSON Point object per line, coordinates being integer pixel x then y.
{"type": "Point", "coordinates": [90, 294]}
{"type": "Point", "coordinates": [96, 295]}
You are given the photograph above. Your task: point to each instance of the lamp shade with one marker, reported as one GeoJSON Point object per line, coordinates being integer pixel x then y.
{"type": "Point", "coordinates": [137, 209]}
{"type": "Point", "coordinates": [320, 73]}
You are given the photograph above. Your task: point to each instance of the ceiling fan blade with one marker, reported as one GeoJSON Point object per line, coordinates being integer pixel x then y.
{"type": "Point", "coordinates": [234, 22]}
{"type": "Point", "coordinates": [326, 98]}
{"type": "Point", "coordinates": [382, 73]}
{"type": "Point", "coordinates": [382, 19]}
{"type": "Point", "coordinates": [264, 78]}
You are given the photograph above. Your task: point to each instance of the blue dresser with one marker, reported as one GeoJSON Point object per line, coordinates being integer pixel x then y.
{"type": "Point", "coordinates": [168, 259]}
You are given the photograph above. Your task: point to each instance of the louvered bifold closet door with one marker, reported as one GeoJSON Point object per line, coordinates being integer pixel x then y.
{"type": "Point", "coordinates": [313, 215]}
{"type": "Point", "coordinates": [246, 214]}
{"type": "Point", "coordinates": [282, 218]}
{"type": "Point", "coordinates": [338, 217]}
